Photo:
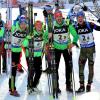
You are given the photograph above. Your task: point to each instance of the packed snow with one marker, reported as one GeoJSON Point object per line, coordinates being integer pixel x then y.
{"type": "Point", "coordinates": [21, 81]}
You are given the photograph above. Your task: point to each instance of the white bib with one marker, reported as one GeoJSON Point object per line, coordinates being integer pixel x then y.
{"type": "Point", "coordinates": [17, 41]}
{"type": "Point", "coordinates": [86, 39]}
{"type": "Point", "coordinates": [61, 38]}
{"type": "Point", "coordinates": [38, 46]}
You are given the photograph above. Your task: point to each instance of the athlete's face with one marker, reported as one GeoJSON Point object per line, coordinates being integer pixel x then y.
{"type": "Point", "coordinates": [38, 26]}
{"type": "Point", "coordinates": [23, 26]}
{"type": "Point", "coordinates": [80, 20]}
{"type": "Point", "coordinates": [59, 19]}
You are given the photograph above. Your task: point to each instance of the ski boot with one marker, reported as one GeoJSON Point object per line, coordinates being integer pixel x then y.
{"type": "Point", "coordinates": [81, 88]}
{"type": "Point", "coordinates": [69, 88]}
{"type": "Point", "coordinates": [58, 91]}
{"type": "Point", "coordinates": [14, 93]}
{"type": "Point", "coordinates": [88, 88]}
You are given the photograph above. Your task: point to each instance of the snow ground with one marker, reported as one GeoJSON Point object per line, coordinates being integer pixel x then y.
{"type": "Point", "coordinates": [21, 81]}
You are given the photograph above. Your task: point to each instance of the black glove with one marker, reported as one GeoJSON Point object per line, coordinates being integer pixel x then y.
{"type": "Point", "coordinates": [56, 4]}
{"type": "Point", "coordinates": [98, 20]}
{"type": "Point", "coordinates": [45, 13]}
{"type": "Point", "coordinates": [85, 8]}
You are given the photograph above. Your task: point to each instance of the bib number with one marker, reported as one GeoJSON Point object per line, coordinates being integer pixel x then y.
{"type": "Point", "coordinates": [38, 46]}
{"type": "Point", "coordinates": [61, 38]}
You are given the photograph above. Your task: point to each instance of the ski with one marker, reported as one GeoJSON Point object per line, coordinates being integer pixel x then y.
{"type": "Point", "coordinates": [96, 7]}
{"type": "Point", "coordinates": [85, 8]}
{"type": "Point", "coordinates": [31, 45]}
{"type": "Point", "coordinates": [8, 38]}
{"type": "Point", "coordinates": [22, 10]}
{"type": "Point", "coordinates": [73, 11]}
{"type": "Point", "coordinates": [31, 42]}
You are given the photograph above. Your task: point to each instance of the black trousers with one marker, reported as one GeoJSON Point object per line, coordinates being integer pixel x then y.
{"type": "Point", "coordinates": [68, 68]}
{"type": "Point", "coordinates": [15, 61]}
{"type": "Point", "coordinates": [34, 72]}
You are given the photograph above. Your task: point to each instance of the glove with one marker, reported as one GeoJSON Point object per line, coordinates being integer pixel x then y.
{"type": "Point", "coordinates": [45, 13]}
{"type": "Point", "coordinates": [98, 20]}
{"type": "Point", "coordinates": [70, 46]}
{"type": "Point", "coordinates": [85, 8]}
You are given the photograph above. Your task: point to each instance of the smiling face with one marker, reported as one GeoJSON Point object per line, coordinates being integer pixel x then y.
{"type": "Point", "coordinates": [80, 20]}
{"type": "Point", "coordinates": [38, 26]}
{"type": "Point", "coordinates": [23, 25]}
{"type": "Point", "coordinates": [58, 17]}
{"type": "Point", "coordinates": [80, 17]}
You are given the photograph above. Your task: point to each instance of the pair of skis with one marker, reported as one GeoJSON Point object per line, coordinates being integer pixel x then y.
{"type": "Point", "coordinates": [50, 61]}
{"type": "Point", "coordinates": [8, 42]}
{"type": "Point", "coordinates": [31, 46]}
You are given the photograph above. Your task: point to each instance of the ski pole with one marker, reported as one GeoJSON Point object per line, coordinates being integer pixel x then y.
{"type": "Point", "coordinates": [72, 75]}
{"type": "Point", "coordinates": [73, 82]}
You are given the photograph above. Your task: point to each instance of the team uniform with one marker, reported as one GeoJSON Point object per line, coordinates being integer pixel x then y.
{"type": "Point", "coordinates": [34, 71]}
{"type": "Point", "coordinates": [18, 40]}
{"type": "Point", "coordinates": [61, 42]}
{"type": "Point", "coordinates": [87, 51]}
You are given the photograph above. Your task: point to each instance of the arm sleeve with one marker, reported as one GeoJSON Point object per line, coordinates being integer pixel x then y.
{"type": "Point", "coordinates": [2, 32]}
{"type": "Point", "coordinates": [45, 37]}
{"type": "Point", "coordinates": [25, 43]}
{"type": "Point", "coordinates": [13, 29]}
{"type": "Point", "coordinates": [73, 33]}
{"type": "Point", "coordinates": [94, 26]}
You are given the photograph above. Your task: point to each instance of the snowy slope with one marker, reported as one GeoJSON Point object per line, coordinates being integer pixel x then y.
{"type": "Point", "coordinates": [21, 81]}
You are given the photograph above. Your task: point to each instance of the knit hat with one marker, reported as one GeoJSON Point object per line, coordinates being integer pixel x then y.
{"type": "Point", "coordinates": [80, 13]}
{"type": "Point", "coordinates": [57, 13]}
{"type": "Point", "coordinates": [22, 19]}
